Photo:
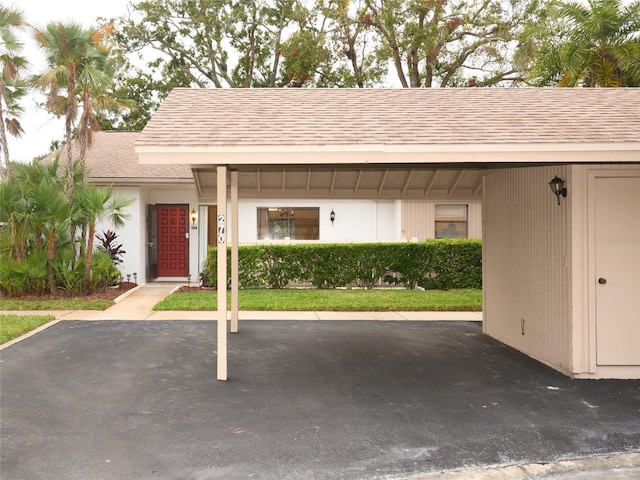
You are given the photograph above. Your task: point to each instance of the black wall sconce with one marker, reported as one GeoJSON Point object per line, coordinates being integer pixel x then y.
{"type": "Point", "coordinates": [332, 217]}
{"type": "Point", "coordinates": [194, 217]}
{"type": "Point", "coordinates": [558, 188]}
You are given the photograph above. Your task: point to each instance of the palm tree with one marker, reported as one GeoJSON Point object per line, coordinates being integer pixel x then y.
{"type": "Point", "coordinates": [598, 45]}
{"type": "Point", "coordinates": [16, 206]}
{"type": "Point", "coordinates": [12, 88]}
{"type": "Point", "coordinates": [54, 214]}
{"type": "Point", "coordinates": [69, 50]}
{"type": "Point", "coordinates": [97, 204]}
{"type": "Point", "coordinates": [14, 212]}
{"type": "Point", "coordinates": [35, 205]}
{"type": "Point", "coordinates": [95, 90]}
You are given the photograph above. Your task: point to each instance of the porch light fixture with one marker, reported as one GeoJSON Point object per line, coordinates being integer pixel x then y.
{"type": "Point", "coordinates": [332, 216]}
{"type": "Point", "coordinates": [194, 217]}
{"type": "Point", "coordinates": [558, 188]}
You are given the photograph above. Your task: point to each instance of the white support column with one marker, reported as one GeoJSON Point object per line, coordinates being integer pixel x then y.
{"type": "Point", "coordinates": [221, 171]}
{"type": "Point", "coordinates": [234, 251]}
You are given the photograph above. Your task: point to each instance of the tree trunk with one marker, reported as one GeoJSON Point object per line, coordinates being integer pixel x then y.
{"type": "Point", "coordinates": [89, 256]}
{"type": "Point", "coordinates": [51, 254]}
{"type": "Point", "coordinates": [276, 57]}
{"type": "Point", "coordinates": [38, 239]}
{"type": "Point", "coordinates": [397, 61]}
{"type": "Point", "coordinates": [353, 56]}
{"type": "Point", "coordinates": [68, 124]}
{"type": "Point", "coordinates": [5, 165]}
{"type": "Point", "coordinates": [83, 150]}
{"type": "Point", "coordinates": [15, 238]}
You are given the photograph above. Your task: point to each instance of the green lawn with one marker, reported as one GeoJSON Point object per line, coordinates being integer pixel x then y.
{"type": "Point", "coordinates": [12, 326]}
{"type": "Point", "coordinates": [333, 300]}
{"type": "Point", "coordinates": [54, 304]}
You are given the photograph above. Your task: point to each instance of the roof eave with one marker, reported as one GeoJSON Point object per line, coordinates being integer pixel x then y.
{"type": "Point", "coordinates": [138, 180]}
{"type": "Point", "coordinates": [390, 154]}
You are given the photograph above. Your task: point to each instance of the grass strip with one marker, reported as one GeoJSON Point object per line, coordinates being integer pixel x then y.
{"type": "Point", "coordinates": [332, 300]}
{"type": "Point", "coordinates": [12, 326]}
{"type": "Point", "coordinates": [54, 304]}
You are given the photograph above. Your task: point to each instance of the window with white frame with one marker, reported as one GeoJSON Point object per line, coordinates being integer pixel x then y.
{"type": "Point", "coordinates": [296, 223]}
{"type": "Point", "coordinates": [451, 220]}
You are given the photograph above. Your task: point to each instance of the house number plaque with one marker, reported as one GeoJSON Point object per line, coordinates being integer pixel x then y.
{"type": "Point", "coordinates": [221, 232]}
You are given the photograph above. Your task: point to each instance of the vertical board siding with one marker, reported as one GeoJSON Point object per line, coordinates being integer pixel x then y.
{"type": "Point", "coordinates": [583, 261]}
{"type": "Point", "coordinates": [418, 217]}
{"type": "Point", "coordinates": [526, 263]}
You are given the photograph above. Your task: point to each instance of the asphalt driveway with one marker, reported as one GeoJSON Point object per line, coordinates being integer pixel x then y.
{"type": "Point", "coordinates": [305, 400]}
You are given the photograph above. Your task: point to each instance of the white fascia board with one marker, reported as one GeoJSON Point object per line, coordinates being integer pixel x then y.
{"type": "Point", "coordinates": [389, 154]}
{"type": "Point", "coordinates": [138, 181]}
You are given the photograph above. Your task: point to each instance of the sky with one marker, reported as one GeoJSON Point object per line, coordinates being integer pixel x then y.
{"type": "Point", "coordinates": [40, 127]}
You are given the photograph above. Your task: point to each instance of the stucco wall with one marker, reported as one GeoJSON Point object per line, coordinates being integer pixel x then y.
{"type": "Point", "coordinates": [131, 236]}
{"type": "Point", "coordinates": [356, 220]}
{"type": "Point", "coordinates": [527, 302]}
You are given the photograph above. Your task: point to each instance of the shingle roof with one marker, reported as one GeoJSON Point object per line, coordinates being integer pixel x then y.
{"type": "Point", "coordinates": [279, 117]}
{"type": "Point", "coordinates": [112, 156]}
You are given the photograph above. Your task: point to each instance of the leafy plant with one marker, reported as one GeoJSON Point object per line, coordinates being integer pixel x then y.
{"type": "Point", "coordinates": [103, 271]}
{"type": "Point", "coordinates": [69, 276]}
{"type": "Point", "coordinates": [115, 251]}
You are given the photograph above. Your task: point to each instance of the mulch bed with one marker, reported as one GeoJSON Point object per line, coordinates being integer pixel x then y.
{"type": "Point", "coordinates": [185, 289]}
{"type": "Point", "coordinates": [105, 294]}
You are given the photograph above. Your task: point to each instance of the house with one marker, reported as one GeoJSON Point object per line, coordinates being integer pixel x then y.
{"type": "Point", "coordinates": [561, 273]}
{"type": "Point", "coordinates": [561, 267]}
{"type": "Point", "coordinates": [276, 205]}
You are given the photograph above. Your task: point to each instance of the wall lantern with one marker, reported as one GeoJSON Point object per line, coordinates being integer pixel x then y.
{"type": "Point", "coordinates": [332, 216]}
{"type": "Point", "coordinates": [194, 217]}
{"type": "Point", "coordinates": [558, 188]}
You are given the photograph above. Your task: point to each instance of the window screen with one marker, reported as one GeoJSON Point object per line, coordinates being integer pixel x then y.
{"type": "Point", "coordinates": [451, 221]}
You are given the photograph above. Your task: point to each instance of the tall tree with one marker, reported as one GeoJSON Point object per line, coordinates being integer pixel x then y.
{"type": "Point", "coordinates": [69, 48]}
{"type": "Point", "coordinates": [247, 43]}
{"type": "Point", "coordinates": [144, 91]}
{"type": "Point", "coordinates": [330, 47]}
{"type": "Point", "coordinates": [329, 43]}
{"type": "Point", "coordinates": [593, 45]}
{"type": "Point", "coordinates": [95, 91]}
{"type": "Point", "coordinates": [352, 45]}
{"type": "Point", "coordinates": [12, 87]}
{"type": "Point", "coordinates": [433, 43]}
{"type": "Point", "coordinates": [221, 43]}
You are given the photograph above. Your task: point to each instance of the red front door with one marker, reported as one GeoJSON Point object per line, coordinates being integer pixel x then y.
{"type": "Point", "coordinates": [173, 241]}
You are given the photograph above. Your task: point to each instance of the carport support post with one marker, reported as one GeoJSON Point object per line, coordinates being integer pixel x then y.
{"type": "Point", "coordinates": [234, 251]}
{"type": "Point", "coordinates": [221, 173]}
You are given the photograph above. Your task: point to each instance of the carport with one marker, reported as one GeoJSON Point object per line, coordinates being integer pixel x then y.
{"type": "Point", "coordinates": [543, 253]}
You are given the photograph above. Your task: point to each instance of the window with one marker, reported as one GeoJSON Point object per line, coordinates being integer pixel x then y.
{"type": "Point", "coordinates": [451, 221]}
{"type": "Point", "coordinates": [302, 223]}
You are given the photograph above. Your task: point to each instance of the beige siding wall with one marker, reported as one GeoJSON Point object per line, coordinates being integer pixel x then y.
{"type": "Point", "coordinates": [583, 277]}
{"type": "Point", "coordinates": [527, 302]}
{"type": "Point", "coordinates": [418, 217]}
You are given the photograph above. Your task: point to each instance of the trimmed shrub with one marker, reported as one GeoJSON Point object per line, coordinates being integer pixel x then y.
{"type": "Point", "coordinates": [434, 264]}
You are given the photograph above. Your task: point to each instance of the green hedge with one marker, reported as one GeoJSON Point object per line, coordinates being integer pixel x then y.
{"type": "Point", "coordinates": [434, 264]}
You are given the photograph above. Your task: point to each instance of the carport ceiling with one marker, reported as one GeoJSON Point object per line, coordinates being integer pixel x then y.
{"type": "Point", "coordinates": [347, 182]}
